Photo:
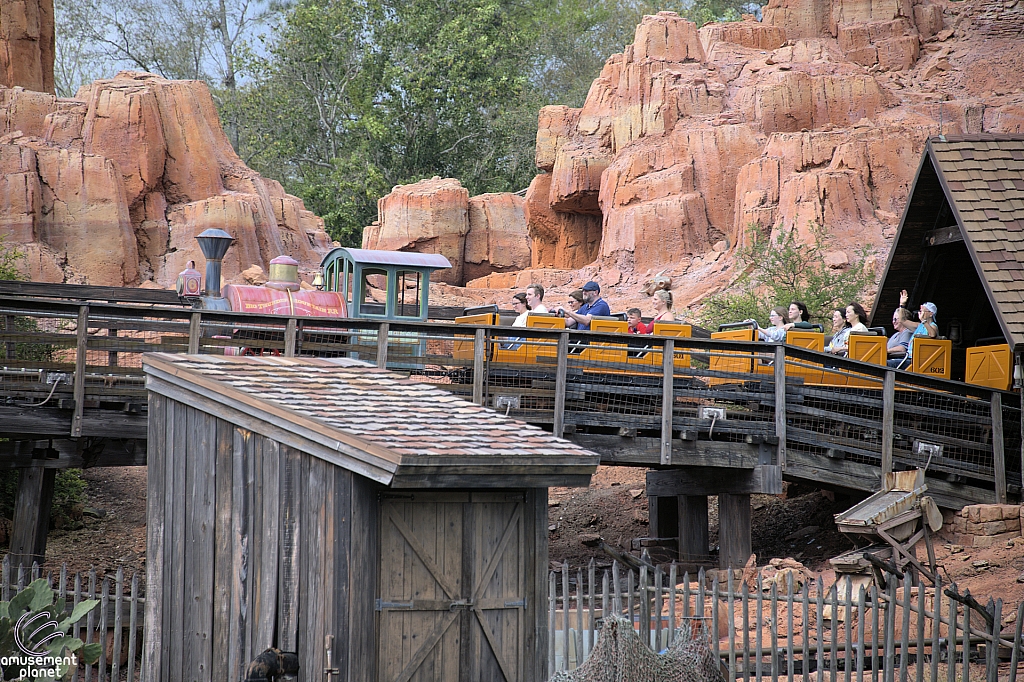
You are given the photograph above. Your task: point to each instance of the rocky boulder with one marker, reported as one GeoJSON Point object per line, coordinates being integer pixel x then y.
{"type": "Point", "coordinates": [497, 240]}
{"type": "Point", "coordinates": [111, 187]}
{"type": "Point", "coordinates": [480, 235]}
{"type": "Point", "coordinates": [26, 44]}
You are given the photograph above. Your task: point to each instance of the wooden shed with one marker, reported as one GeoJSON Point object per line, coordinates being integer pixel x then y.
{"type": "Point", "coordinates": [295, 501]}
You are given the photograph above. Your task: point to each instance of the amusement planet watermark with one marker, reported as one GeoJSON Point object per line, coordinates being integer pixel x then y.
{"type": "Point", "coordinates": [35, 661]}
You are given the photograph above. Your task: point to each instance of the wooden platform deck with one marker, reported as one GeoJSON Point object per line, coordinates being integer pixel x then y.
{"type": "Point", "coordinates": [72, 394]}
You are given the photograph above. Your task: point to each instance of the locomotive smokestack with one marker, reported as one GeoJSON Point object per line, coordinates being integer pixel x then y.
{"type": "Point", "coordinates": [214, 244]}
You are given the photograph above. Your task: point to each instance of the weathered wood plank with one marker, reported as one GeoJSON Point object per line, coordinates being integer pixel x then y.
{"type": "Point", "coordinates": [239, 555]}
{"type": "Point", "coordinates": [479, 371]}
{"type": "Point", "coordinates": [644, 451]}
{"type": "Point", "coordinates": [382, 346]}
{"type": "Point", "coordinates": [200, 515]}
{"type": "Point", "coordinates": [266, 561]}
{"type": "Point", "coordinates": [311, 608]}
{"type": "Point", "coordinates": [667, 400]}
{"type": "Point", "coordinates": [222, 549]}
{"type": "Point", "coordinates": [31, 516]}
{"type": "Point", "coordinates": [734, 534]}
{"type": "Point", "coordinates": [289, 540]}
{"type": "Point", "coordinates": [80, 358]}
{"type": "Point", "coordinates": [888, 410]}
{"type": "Point", "coordinates": [339, 585]}
{"type": "Point", "coordinates": [562, 354]}
{"type": "Point", "coordinates": [780, 403]}
{"type": "Point", "coordinates": [363, 580]}
{"type": "Point", "coordinates": [156, 492]}
{"type": "Point", "coordinates": [762, 479]}
{"type": "Point", "coordinates": [175, 572]}
{"type": "Point", "coordinates": [998, 448]}
{"type": "Point", "coordinates": [693, 527]}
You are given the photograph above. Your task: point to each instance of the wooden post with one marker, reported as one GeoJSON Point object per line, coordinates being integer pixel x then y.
{"type": "Point", "coordinates": [9, 326]}
{"type": "Point", "coordinates": [888, 414]}
{"type": "Point", "coordinates": [734, 530]}
{"type": "Point", "coordinates": [998, 451]}
{"type": "Point", "coordinates": [31, 516]}
{"type": "Point", "coordinates": [195, 332]}
{"type": "Point", "coordinates": [289, 338]}
{"type": "Point", "coordinates": [561, 369]}
{"type": "Point", "coordinates": [112, 355]}
{"type": "Point", "coordinates": [382, 345]}
{"type": "Point", "coordinates": [80, 353]}
{"type": "Point", "coordinates": [693, 527]}
{"type": "Point", "coordinates": [780, 410]}
{"type": "Point", "coordinates": [479, 354]}
{"type": "Point", "coordinates": [667, 399]}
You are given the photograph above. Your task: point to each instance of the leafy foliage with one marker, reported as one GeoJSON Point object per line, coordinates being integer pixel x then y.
{"type": "Point", "coordinates": [777, 271]}
{"type": "Point", "coordinates": [68, 496]}
{"type": "Point", "coordinates": [10, 254]}
{"type": "Point", "coordinates": [49, 632]}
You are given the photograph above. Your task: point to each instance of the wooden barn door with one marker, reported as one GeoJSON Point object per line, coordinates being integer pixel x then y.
{"type": "Point", "coordinates": [452, 588]}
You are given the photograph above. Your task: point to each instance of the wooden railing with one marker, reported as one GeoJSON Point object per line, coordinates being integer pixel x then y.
{"type": "Point", "coordinates": [669, 401]}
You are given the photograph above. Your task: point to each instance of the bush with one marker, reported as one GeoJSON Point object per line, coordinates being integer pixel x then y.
{"type": "Point", "coordinates": [36, 619]}
{"type": "Point", "coordinates": [68, 496]}
{"type": "Point", "coordinates": [777, 271]}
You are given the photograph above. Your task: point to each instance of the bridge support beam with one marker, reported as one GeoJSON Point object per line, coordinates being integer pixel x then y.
{"type": "Point", "coordinates": [734, 544]}
{"type": "Point", "coordinates": [693, 527]}
{"type": "Point", "coordinates": [32, 515]}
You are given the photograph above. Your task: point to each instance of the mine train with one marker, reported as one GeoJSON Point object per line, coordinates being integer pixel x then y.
{"type": "Point", "coordinates": [395, 286]}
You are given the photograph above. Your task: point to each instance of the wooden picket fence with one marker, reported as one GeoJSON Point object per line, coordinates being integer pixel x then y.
{"type": "Point", "coordinates": [117, 623]}
{"type": "Point", "coordinates": [796, 629]}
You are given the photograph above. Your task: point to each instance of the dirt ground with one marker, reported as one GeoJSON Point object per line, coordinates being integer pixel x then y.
{"type": "Point", "coordinates": [798, 524]}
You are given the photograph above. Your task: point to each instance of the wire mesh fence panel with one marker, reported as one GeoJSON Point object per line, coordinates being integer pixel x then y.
{"type": "Point", "coordinates": [943, 432]}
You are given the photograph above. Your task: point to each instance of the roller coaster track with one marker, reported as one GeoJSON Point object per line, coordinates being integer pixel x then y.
{"type": "Point", "coordinates": [72, 393]}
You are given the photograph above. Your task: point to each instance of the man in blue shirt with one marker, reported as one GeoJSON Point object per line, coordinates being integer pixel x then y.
{"type": "Point", "coordinates": [593, 305]}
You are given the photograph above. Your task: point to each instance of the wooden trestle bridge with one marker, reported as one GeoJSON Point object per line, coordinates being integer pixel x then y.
{"type": "Point", "coordinates": [72, 393]}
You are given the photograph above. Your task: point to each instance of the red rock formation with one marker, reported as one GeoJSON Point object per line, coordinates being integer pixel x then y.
{"type": "Point", "coordinates": [429, 216]}
{"type": "Point", "coordinates": [26, 44]}
{"type": "Point", "coordinates": [497, 240]}
{"type": "Point", "coordinates": [480, 236]}
{"type": "Point", "coordinates": [112, 187]}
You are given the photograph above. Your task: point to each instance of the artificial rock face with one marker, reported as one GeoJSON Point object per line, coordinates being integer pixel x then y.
{"type": "Point", "coordinates": [111, 187]}
{"type": "Point", "coordinates": [479, 236]}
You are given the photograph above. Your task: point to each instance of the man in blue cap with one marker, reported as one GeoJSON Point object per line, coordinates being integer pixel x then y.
{"type": "Point", "coordinates": [593, 305]}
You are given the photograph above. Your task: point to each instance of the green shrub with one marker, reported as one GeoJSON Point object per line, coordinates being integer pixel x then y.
{"type": "Point", "coordinates": [777, 271]}
{"type": "Point", "coordinates": [68, 495]}
{"type": "Point", "coordinates": [44, 626]}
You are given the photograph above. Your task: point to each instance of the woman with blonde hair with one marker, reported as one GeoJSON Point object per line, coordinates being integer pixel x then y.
{"type": "Point", "coordinates": [662, 299]}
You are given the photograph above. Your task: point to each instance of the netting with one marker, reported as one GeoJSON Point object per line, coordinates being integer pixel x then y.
{"type": "Point", "coordinates": [620, 656]}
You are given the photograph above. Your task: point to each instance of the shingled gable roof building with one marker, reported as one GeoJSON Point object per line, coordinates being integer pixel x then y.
{"type": "Point", "coordinates": [960, 242]}
{"type": "Point", "coordinates": [314, 504]}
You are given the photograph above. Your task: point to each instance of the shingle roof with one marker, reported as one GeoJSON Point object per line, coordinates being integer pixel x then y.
{"type": "Point", "coordinates": [983, 178]}
{"type": "Point", "coordinates": [388, 427]}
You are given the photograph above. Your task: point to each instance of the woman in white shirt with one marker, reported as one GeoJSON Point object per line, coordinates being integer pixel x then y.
{"type": "Point", "coordinates": [857, 320]}
{"type": "Point", "coordinates": [521, 309]}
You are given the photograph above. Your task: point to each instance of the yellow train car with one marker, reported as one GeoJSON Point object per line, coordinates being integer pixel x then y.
{"type": "Point", "coordinates": [990, 366]}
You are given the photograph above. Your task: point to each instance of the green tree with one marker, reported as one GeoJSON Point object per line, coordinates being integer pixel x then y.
{"type": "Point", "coordinates": [777, 271]}
{"type": "Point", "coordinates": [355, 97]}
